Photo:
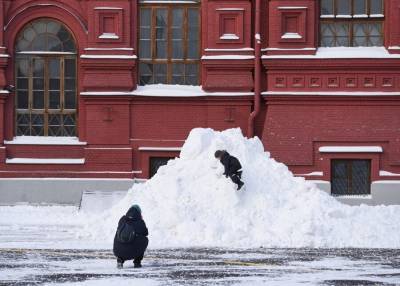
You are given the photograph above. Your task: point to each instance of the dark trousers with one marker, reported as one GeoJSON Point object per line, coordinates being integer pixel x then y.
{"type": "Point", "coordinates": [236, 178]}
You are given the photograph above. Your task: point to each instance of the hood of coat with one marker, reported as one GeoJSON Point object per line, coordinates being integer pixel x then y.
{"type": "Point", "coordinates": [134, 213]}
{"type": "Point", "coordinates": [224, 155]}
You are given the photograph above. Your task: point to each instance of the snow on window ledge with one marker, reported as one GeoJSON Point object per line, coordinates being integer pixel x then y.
{"type": "Point", "coordinates": [388, 174]}
{"type": "Point", "coordinates": [353, 52]}
{"type": "Point", "coordinates": [44, 140]}
{"type": "Point", "coordinates": [227, 57]}
{"type": "Point", "coordinates": [45, 161]}
{"type": "Point", "coordinates": [327, 16]}
{"type": "Point", "coordinates": [316, 174]}
{"type": "Point", "coordinates": [291, 36]}
{"type": "Point", "coordinates": [229, 37]}
{"type": "Point", "coordinates": [344, 16]}
{"type": "Point", "coordinates": [350, 197]}
{"type": "Point", "coordinates": [109, 36]}
{"type": "Point", "coordinates": [350, 149]}
{"type": "Point", "coordinates": [165, 149]}
{"type": "Point", "coordinates": [166, 90]}
{"type": "Point", "coordinates": [342, 53]}
{"type": "Point", "coordinates": [377, 16]}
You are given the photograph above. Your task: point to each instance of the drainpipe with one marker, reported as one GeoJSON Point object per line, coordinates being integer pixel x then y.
{"type": "Point", "coordinates": [257, 70]}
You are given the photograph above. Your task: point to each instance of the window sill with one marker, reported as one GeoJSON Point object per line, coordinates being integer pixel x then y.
{"type": "Point", "coordinates": [42, 140]}
{"type": "Point", "coordinates": [40, 161]}
{"type": "Point", "coordinates": [350, 149]}
{"type": "Point", "coordinates": [342, 53]}
{"type": "Point", "coordinates": [353, 197]}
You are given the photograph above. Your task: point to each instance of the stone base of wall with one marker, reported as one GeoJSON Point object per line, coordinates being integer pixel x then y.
{"type": "Point", "coordinates": [54, 191]}
{"type": "Point", "coordinates": [382, 193]}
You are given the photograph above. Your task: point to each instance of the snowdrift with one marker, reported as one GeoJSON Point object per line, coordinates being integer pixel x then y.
{"type": "Point", "coordinates": [190, 204]}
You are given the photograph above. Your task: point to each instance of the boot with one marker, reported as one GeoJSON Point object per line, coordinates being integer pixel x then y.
{"type": "Point", "coordinates": [120, 263]}
{"type": "Point", "coordinates": [137, 263]}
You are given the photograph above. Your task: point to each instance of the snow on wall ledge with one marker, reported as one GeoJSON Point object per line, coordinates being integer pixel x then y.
{"type": "Point", "coordinates": [189, 203]}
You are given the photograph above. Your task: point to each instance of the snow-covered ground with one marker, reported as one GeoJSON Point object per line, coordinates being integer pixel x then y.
{"type": "Point", "coordinates": [38, 246]}
{"type": "Point", "coordinates": [202, 231]}
{"type": "Point", "coordinates": [202, 267]}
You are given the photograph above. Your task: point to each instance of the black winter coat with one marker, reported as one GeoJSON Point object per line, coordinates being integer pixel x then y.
{"type": "Point", "coordinates": [128, 251]}
{"type": "Point", "coordinates": [231, 164]}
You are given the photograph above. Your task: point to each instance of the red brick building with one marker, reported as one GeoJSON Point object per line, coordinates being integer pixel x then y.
{"type": "Point", "coordinates": [107, 89]}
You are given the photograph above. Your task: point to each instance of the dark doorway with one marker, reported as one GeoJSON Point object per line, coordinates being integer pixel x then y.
{"type": "Point", "coordinates": [156, 163]}
{"type": "Point", "coordinates": [351, 177]}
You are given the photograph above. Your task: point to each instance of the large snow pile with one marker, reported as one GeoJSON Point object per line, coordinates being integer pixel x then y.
{"type": "Point", "coordinates": [190, 203]}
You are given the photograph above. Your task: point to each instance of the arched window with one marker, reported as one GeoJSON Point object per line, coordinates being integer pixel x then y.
{"type": "Point", "coordinates": [45, 71]}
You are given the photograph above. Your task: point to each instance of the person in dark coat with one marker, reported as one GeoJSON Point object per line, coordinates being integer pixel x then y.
{"type": "Point", "coordinates": [130, 241]}
{"type": "Point", "coordinates": [233, 168]}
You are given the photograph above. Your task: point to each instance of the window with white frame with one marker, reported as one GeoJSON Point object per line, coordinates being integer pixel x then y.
{"type": "Point", "coordinates": [351, 23]}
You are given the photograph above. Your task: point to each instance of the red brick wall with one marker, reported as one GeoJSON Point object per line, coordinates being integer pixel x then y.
{"type": "Point", "coordinates": [292, 128]}
{"type": "Point", "coordinates": [172, 119]}
{"type": "Point", "coordinates": [296, 127]}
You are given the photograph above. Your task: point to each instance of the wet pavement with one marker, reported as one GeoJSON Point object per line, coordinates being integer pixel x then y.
{"type": "Point", "coordinates": [336, 267]}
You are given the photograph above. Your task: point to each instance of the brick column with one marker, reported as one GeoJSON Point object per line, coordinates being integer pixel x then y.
{"type": "Point", "coordinates": [392, 29]}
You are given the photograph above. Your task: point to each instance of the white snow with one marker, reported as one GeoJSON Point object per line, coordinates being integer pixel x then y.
{"type": "Point", "coordinates": [388, 174]}
{"type": "Point", "coordinates": [316, 173]}
{"type": "Point", "coordinates": [119, 281]}
{"type": "Point", "coordinates": [344, 16]}
{"type": "Point", "coordinates": [115, 57]}
{"type": "Point", "coordinates": [289, 49]}
{"type": "Point", "coordinates": [108, 8]}
{"type": "Point", "coordinates": [377, 15]}
{"type": "Point", "coordinates": [343, 53]}
{"type": "Point", "coordinates": [292, 7]}
{"type": "Point", "coordinates": [190, 203]}
{"type": "Point", "coordinates": [170, 1]}
{"type": "Point", "coordinates": [229, 37]}
{"type": "Point", "coordinates": [353, 52]}
{"type": "Point", "coordinates": [45, 53]}
{"type": "Point", "coordinates": [228, 50]}
{"type": "Point", "coordinates": [109, 36]}
{"type": "Point", "coordinates": [144, 148]}
{"type": "Point", "coordinates": [44, 140]}
{"type": "Point", "coordinates": [230, 9]}
{"type": "Point", "coordinates": [109, 49]}
{"type": "Point", "coordinates": [40, 161]}
{"type": "Point", "coordinates": [333, 93]}
{"type": "Point", "coordinates": [227, 57]}
{"type": "Point", "coordinates": [291, 36]}
{"type": "Point", "coordinates": [350, 149]}
{"type": "Point", "coordinates": [169, 90]}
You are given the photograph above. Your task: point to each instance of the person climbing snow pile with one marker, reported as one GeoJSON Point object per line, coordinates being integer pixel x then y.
{"type": "Point", "coordinates": [233, 168]}
{"type": "Point", "coordinates": [130, 241]}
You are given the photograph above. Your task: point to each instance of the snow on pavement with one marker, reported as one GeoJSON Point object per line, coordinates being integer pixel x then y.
{"type": "Point", "coordinates": [23, 267]}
